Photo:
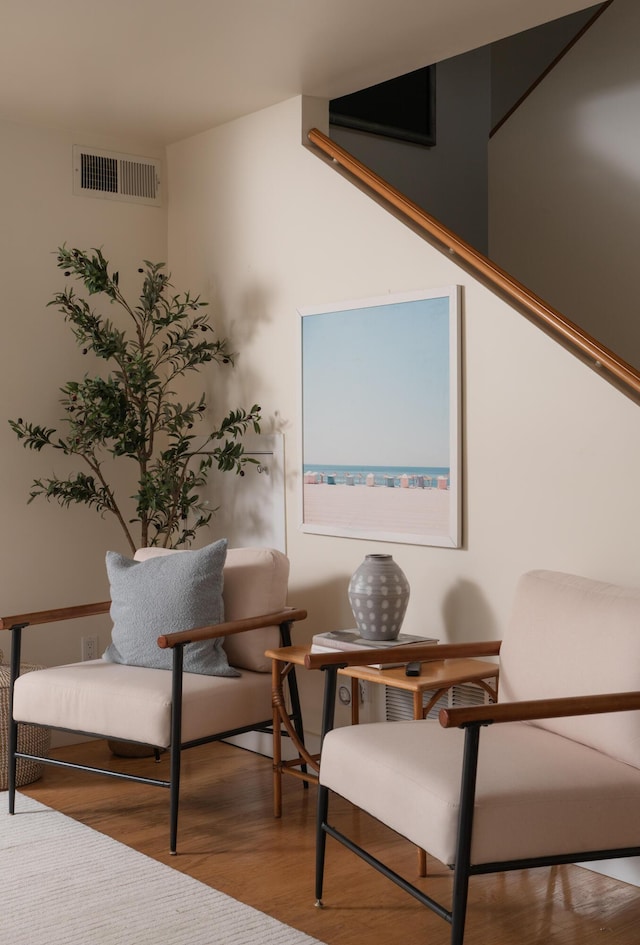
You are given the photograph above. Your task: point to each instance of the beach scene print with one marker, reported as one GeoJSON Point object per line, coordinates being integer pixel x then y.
{"type": "Point", "coordinates": [380, 419]}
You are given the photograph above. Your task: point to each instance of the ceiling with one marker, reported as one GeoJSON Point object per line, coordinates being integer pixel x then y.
{"type": "Point", "coordinates": [163, 70]}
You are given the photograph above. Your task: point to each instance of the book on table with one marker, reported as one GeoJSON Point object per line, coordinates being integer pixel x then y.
{"type": "Point", "coordinates": [334, 640]}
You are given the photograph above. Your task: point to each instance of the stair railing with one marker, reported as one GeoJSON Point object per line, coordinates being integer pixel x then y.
{"type": "Point", "coordinates": [614, 369]}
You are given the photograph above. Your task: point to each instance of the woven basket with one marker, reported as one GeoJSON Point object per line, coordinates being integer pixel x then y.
{"type": "Point", "coordinates": [31, 738]}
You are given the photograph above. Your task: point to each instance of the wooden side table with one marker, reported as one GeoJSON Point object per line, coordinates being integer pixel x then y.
{"type": "Point", "coordinates": [440, 676]}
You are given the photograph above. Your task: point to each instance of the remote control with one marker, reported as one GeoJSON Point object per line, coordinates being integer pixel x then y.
{"type": "Point", "coordinates": [413, 669]}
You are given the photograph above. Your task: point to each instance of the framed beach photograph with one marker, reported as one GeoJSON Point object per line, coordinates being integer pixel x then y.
{"type": "Point", "coordinates": [381, 418]}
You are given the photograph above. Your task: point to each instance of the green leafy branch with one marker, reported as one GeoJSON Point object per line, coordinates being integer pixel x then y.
{"type": "Point", "coordinates": [133, 411]}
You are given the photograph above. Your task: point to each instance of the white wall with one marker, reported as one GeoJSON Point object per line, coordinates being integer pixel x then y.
{"type": "Point", "coordinates": [49, 556]}
{"type": "Point", "coordinates": [551, 452]}
{"type": "Point", "coordinates": [564, 176]}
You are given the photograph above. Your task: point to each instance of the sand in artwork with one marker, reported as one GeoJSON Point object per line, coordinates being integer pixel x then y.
{"type": "Point", "coordinates": [418, 512]}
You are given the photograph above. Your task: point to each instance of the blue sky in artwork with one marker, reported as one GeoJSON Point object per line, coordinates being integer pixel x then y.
{"type": "Point", "coordinates": [376, 385]}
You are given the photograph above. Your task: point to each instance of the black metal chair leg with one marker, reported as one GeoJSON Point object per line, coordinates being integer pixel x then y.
{"type": "Point", "coordinates": [465, 828]}
{"type": "Point", "coordinates": [296, 710]}
{"type": "Point", "coordinates": [294, 695]}
{"type": "Point", "coordinates": [12, 761]}
{"type": "Point", "coordinates": [174, 799]}
{"type": "Point", "coordinates": [176, 747]}
{"type": "Point", "coordinates": [12, 765]}
{"type": "Point", "coordinates": [328, 716]}
{"type": "Point", "coordinates": [321, 841]}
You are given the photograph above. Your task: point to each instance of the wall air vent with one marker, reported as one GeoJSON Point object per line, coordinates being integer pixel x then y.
{"type": "Point", "coordinates": [116, 176]}
{"type": "Point", "coordinates": [399, 704]}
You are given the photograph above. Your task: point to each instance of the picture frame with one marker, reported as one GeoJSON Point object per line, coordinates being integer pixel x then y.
{"type": "Point", "coordinates": [380, 396]}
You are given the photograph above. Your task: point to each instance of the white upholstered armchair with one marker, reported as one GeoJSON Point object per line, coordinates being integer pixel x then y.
{"type": "Point", "coordinates": [550, 774]}
{"type": "Point", "coordinates": [166, 680]}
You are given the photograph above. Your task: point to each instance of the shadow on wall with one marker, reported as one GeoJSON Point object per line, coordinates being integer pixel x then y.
{"type": "Point", "coordinates": [327, 605]}
{"type": "Point", "coordinates": [467, 614]}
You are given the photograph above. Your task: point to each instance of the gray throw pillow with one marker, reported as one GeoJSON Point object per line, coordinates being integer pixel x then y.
{"type": "Point", "coordinates": [163, 595]}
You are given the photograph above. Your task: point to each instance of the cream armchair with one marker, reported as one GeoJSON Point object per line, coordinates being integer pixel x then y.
{"type": "Point", "coordinates": [548, 775]}
{"type": "Point", "coordinates": [166, 708]}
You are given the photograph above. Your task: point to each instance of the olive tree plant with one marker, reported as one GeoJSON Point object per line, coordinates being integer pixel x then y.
{"type": "Point", "coordinates": [132, 411]}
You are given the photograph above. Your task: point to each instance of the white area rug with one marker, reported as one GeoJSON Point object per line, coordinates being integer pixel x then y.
{"type": "Point", "coordinates": [62, 883]}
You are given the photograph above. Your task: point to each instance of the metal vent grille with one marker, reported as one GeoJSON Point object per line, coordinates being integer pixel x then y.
{"type": "Point", "coordinates": [116, 176]}
{"type": "Point", "coordinates": [399, 704]}
{"type": "Point", "coordinates": [138, 180]}
{"type": "Point", "coordinates": [98, 173]}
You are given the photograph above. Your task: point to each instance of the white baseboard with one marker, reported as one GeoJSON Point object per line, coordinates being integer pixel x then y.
{"type": "Point", "coordinates": [627, 870]}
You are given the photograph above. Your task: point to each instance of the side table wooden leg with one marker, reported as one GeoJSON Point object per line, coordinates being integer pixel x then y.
{"type": "Point", "coordinates": [417, 705]}
{"type": "Point", "coordinates": [419, 713]}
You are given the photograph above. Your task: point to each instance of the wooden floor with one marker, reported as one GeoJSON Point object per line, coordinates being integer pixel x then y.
{"type": "Point", "coordinates": [229, 839]}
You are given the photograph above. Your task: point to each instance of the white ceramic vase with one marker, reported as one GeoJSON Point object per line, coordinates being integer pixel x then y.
{"type": "Point", "coordinates": [379, 594]}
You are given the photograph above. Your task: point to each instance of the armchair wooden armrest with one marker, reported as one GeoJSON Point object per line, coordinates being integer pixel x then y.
{"type": "Point", "coordinates": [288, 614]}
{"type": "Point", "coordinates": [166, 641]}
{"type": "Point", "coordinates": [425, 653]}
{"type": "Point", "coordinates": [529, 710]}
{"type": "Point", "coordinates": [51, 616]}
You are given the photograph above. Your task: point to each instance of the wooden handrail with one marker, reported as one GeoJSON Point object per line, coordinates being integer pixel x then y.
{"type": "Point", "coordinates": [619, 372]}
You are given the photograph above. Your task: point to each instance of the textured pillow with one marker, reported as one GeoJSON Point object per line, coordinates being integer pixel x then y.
{"type": "Point", "coordinates": [163, 595]}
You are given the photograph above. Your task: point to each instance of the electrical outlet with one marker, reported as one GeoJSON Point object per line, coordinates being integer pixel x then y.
{"type": "Point", "coordinates": [89, 648]}
{"type": "Point", "coordinates": [363, 689]}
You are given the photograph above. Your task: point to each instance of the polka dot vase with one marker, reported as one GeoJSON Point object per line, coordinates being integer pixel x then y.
{"type": "Point", "coordinates": [379, 594]}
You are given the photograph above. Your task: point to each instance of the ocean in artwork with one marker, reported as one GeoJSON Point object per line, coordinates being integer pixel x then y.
{"type": "Point", "coordinates": [412, 477]}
